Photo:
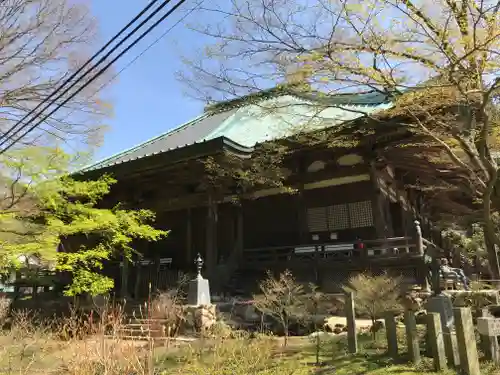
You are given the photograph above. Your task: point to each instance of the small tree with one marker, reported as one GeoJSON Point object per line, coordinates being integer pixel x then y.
{"type": "Point", "coordinates": [280, 298]}
{"type": "Point", "coordinates": [374, 295]}
{"type": "Point", "coordinates": [48, 207]}
{"type": "Point", "coordinates": [313, 302]}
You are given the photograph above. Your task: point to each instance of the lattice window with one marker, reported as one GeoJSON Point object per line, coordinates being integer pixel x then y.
{"type": "Point", "coordinates": [316, 219]}
{"type": "Point", "coordinates": [338, 217]}
{"type": "Point", "coordinates": [361, 214]}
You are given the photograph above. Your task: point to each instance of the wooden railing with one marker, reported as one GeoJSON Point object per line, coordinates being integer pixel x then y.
{"type": "Point", "coordinates": [386, 248]}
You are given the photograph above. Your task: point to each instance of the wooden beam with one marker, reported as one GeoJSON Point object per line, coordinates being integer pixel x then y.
{"type": "Point", "coordinates": [124, 274]}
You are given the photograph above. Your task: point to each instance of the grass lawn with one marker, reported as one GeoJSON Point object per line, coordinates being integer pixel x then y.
{"type": "Point", "coordinates": [262, 356]}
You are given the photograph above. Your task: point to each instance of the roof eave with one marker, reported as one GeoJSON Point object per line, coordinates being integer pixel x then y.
{"type": "Point", "coordinates": [178, 155]}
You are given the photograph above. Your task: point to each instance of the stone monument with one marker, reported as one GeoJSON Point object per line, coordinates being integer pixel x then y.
{"type": "Point", "coordinates": [442, 305]}
{"type": "Point", "coordinates": [199, 312]}
{"type": "Point", "coordinates": [199, 288]}
{"type": "Point", "coordinates": [439, 302]}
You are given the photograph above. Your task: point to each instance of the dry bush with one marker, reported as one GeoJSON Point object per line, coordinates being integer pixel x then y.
{"type": "Point", "coordinates": [281, 298]}
{"type": "Point", "coordinates": [167, 311]}
{"type": "Point", "coordinates": [106, 356]}
{"type": "Point", "coordinates": [28, 341]}
{"type": "Point", "coordinates": [79, 344]}
{"type": "Point", "coordinates": [167, 307]}
{"type": "Point", "coordinates": [374, 295]}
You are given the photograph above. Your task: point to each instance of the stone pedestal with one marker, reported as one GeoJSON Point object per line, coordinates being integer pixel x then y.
{"type": "Point", "coordinates": [199, 292]}
{"type": "Point", "coordinates": [442, 305]}
{"type": "Point", "coordinates": [199, 318]}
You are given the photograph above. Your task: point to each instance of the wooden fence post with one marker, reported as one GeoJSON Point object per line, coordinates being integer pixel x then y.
{"type": "Point", "coordinates": [391, 334]}
{"type": "Point", "coordinates": [436, 342]}
{"type": "Point", "coordinates": [466, 341]}
{"type": "Point", "coordinates": [412, 336]}
{"type": "Point", "coordinates": [352, 339]}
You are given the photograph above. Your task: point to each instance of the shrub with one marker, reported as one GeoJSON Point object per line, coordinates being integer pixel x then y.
{"type": "Point", "coordinates": [374, 295]}
{"type": "Point", "coordinates": [4, 310]}
{"type": "Point", "coordinates": [168, 306]}
{"type": "Point", "coordinates": [281, 298]}
{"type": "Point", "coordinates": [481, 295]}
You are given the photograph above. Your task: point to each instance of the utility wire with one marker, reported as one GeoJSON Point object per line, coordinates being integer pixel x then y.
{"type": "Point", "coordinates": [137, 40]}
{"type": "Point", "coordinates": [69, 79]}
{"type": "Point", "coordinates": [101, 60]}
{"type": "Point", "coordinates": [131, 62]}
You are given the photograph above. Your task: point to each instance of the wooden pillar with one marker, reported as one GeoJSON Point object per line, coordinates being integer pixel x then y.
{"type": "Point", "coordinates": [379, 217]}
{"type": "Point", "coordinates": [302, 216]}
{"type": "Point", "coordinates": [377, 204]}
{"type": "Point", "coordinates": [211, 236]}
{"type": "Point", "coordinates": [125, 272]}
{"type": "Point", "coordinates": [239, 244]}
{"type": "Point", "coordinates": [303, 228]}
{"type": "Point", "coordinates": [189, 239]}
{"type": "Point", "coordinates": [138, 279]}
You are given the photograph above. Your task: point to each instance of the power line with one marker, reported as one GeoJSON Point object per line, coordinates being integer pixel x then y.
{"type": "Point", "coordinates": [101, 60]}
{"type": "Point", "coordinates": [131, 62]}
{"type": "Point", "coordinates": [60, 87]}
{"type": "Point", "coordinates": [137, 40]}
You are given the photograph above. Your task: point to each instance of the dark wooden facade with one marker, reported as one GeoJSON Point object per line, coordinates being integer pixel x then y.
{"type": "Point", "coordinates": [341, 198]}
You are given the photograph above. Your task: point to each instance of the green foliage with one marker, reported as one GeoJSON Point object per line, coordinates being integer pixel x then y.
{"type": "Point", "coordinates": [233, 175]}
{"type": "Point", "coordinates": [85, 281]}
{"type": "Point", "coordinates": [473, 244]}
{"type": "Point", "coordinates": [53, 207]}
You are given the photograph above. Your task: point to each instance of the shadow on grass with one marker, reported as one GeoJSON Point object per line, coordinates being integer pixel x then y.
{"type": "Point", "coordinates": [332, 359]}
{"type": "Point", "coordinates": [369, 364]}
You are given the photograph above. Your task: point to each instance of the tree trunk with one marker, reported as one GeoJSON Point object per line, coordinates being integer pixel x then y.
{"type": "Point", "coordinates": [285, 330]}
{"type": "Point", "coordinates": [490, 237]}
{"type": "Point", "coordinates": [374, 333]}
{"type": "Point", "coordinates": [489, 241]}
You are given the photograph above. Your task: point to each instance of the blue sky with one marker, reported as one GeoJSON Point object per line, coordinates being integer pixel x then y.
{"type": "Point", "coordinates": [147, 98]}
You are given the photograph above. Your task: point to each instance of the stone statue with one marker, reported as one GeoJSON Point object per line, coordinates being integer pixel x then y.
{"type": "Point", "coordinates": [438, 269]}
{"type": "Point", "coordinates": [448, 272]}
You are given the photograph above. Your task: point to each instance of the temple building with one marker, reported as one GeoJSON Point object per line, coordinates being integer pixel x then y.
{"type": "Point", "coordinates": [338, 208]}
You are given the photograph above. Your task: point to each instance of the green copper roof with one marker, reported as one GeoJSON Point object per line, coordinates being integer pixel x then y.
{"type": "Point", "coordinates": [247, 125]}
{"type": "Point", "coordinates": [284, 116]}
